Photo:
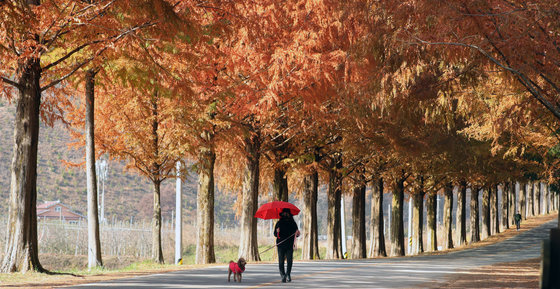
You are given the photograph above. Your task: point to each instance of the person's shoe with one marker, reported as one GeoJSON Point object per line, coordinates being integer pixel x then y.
{"type": "Point", "coordinates": [283, 278]}
{"type": "Point", "coordinates": [288, 278]}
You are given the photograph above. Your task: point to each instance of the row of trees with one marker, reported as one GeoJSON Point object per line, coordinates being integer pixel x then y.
{"type": "Point", "coordinates": [266, 93]}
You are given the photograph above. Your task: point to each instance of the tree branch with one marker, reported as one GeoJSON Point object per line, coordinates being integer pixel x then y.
{"type": "Point", "coordinates": [521, 77]}
{"type": "Point", "coordinates": [10, 82]}
{"type": "Point", "coordinates": [72, 52]}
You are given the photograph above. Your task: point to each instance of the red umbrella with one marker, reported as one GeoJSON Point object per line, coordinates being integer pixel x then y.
{"type": "Point", "coordinates": [272, 210]}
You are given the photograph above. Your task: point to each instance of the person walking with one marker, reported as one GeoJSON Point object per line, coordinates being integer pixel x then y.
{"type": "Point", "coordinates": [286, 231]}
{"type": "Point", "coordinates": [517, 218]}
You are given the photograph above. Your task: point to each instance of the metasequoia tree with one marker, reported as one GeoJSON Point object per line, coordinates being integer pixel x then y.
{"type": "Point", "coordinates": [431, 215]}
{"type": "Point", "coordinates": [359, 217]}
{"type": "Point", "coordinates": [518, 37]}
{"type": "Point", "coordinates": [485, 219]}
{"type": "Point", "coordinates": [94, 240]}
{"type": "Point", "coordinates": [40, 42]}
{"type": "Point", "coordinates": [334, 194]}
{"type": "Point", "coordinates": [505, 206]}
{"type": "Point", "coordinates": [461, 223]}
{"type": "Point", "coordinates": [494, 214]}
{"type": "Point", "coordinates": [267, 73]}
{"type": "Point", "coordinates": [397, 222]}
{"type": "Point", "coordinates": [377, 230]}
{"type": "Point", "coordinates": [137, 125]}
{"type": "Point", "coordinates": [530, 200]}
{"type": "Point", "coordinates": [522, 200]}
{"type": "Point", "coordinates": [475, 213]}
{"type": "Point", "coordinates": [205, 198]}
{"type": "Point", "coordinates": [448, 216]}
{"type": "Point", "coordinates": [418, 215]}
{"type": "Point", "coordinates": [310, 247]}
{"type": "Point", "coordinates": [512, 198]}
{"type": "Point", "coordinates": [537, 201]}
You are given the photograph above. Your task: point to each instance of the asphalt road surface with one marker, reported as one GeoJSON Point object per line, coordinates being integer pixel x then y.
{"type": "Point", "coordinates": [405, 272]}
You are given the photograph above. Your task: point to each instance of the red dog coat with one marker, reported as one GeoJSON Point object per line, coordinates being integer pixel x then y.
{"type": "Point", "coordinates": [235, 268]}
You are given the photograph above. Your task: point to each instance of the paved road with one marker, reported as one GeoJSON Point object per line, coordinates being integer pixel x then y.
{"type": "Point", "coordinates": [405, 272]}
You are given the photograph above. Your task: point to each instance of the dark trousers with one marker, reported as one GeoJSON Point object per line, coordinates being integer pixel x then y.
{"type": "Point", "coordinates": [288, 254]}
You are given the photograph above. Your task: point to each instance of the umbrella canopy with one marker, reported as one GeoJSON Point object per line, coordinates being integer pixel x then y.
{"type": "Point", "coordinates": [272, 210]}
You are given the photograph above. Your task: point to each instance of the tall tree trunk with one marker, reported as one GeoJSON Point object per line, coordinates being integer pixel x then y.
{"type": "Point", "coordinates": [495, 209]}
{"type": "Point", "coordinates": [431, 212]}
{"type": "Point", "coordinates": [377, 231]}
{"type": "Point", "coordinates": [505, 205]}
{"type": "Point", "coordinates": [462, 213]}
{"type": "Point", "coordinates": [530, 200]}
{"type": "Point", "coordinates": [157, 251]}
{"type": "Point", "coordinates": [512, 200]}
{"type": "Point", "coordinates": [537, 202]}
{"type": "Point", "coordinates": [359, 220]}
{"type": "Point", "coordinates": [448, 216]}
{"type": "Point", "coordinates": [248, 244]}
{"type": "Point", "coordinates": [205, 206]}
{"type": "Point", "coordinates": [310, 248]}
{"type": "Point", "coordinates": [523, 200]}
{"type": "Point", "coordinates": [418, 221]}
{"type": "Point", "coordinates": [280, 185]}
{"type": "Point", "coordinates": [486, 212]}
{"type": "Point", "coordinates": [475, 221]}
{"type": "Point", "coordinates": [21, 249]}
{"type": "Point", "coordinates": [94, 243]}
{"type": "Point", "coordinates": [397, 221]}
{"type": "Point", "coordinates": [546, 199]}
{"type": "Point", "coordinates": [333, 220]}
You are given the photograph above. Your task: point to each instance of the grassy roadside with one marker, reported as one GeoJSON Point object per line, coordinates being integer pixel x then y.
{"type": "Point", "coordinates": [75, 277]}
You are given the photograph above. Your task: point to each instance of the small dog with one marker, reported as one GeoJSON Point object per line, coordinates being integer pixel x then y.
{"type": "Point", "coordinates": [237, 269]}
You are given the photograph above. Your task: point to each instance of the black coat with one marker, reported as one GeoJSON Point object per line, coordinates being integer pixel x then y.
{"type": "Point", "coordinates": [288, 228]}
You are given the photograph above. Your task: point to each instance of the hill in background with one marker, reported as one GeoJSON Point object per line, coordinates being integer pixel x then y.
{"type": "Point", "coordinates": [127, 194]}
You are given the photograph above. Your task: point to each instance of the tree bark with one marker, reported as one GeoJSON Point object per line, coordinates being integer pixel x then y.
{"type": "Point", "coordinates": [21, 249]}
{"type": "Point", "coordinates": [486, 212]}
{"type": "Point", "coordinates": [280, 185]}
{"type": "Point", "coordinates": [157, 251]}
{"type": "Point", "coordinates": [94, 243]}
{"type": "Point", "coordinates": [495, 209]}
{"type": "Point", "coordinates": [546, 199]}
{"type": "Point", "coordinates": [333, 220]}
{"type": "Point", "coordinates": [505, 206]}
{"type": "Point", "coordinates": [448, 216]}
{"type": "Point", "coordinates": [431, 212]}
{"type": "Point", "coordinates": [397, 221]}
{"type": "Point", "coordinates": [359, 220]}
{"type": "Point", "coordinates": [205, 206]}
{"type": "Point", "coordinates": [523, 200]}
{"type": "Point", "coordinates": [418, 222]}
{"type": "Point", "coordinates": [377, 231]}
{"type": "Point", "coordinates": [475, 221]}
{"type": "Point", "coordinates": [310, 248]}
{"type": "Point", "coordinates": [462, 213]}
{"type": "Point", "coordinates": [248, 243]}
{"type": "Point", "coordinates": [530, 200]}
{"type": "Point", "coordinates": [512, 201]}
{"type": "Point", "coordinates": [537, 202]}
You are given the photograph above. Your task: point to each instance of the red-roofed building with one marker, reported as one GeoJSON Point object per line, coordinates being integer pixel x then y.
{"type": "Point", "coordinates": [55, 210]}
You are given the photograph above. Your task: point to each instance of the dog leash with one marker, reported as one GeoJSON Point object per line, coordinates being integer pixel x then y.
{"type": "Point", "coordinates": [278, 243]}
